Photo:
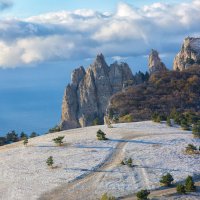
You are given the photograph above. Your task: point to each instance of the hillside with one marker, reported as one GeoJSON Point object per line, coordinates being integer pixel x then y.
{"type": "Point", "coordinates": [85, 168]}
{"type": "Point", "coordinates": [163, 92]}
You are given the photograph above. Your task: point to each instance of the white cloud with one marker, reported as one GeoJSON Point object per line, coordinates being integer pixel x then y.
{"type": "Point", "coordinates": [83, 33]}
{"type": "Point", "coordinates": [119, 58]}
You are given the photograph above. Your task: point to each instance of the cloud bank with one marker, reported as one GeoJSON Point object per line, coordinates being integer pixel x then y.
{"type": "Point", "coordinates": [81, 34]}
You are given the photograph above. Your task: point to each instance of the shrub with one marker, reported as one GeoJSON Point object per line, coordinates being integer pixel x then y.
{"type": "Point", "coordinates": [190, 149]}
{"type": "Point", "coordinates": [23, 136]}
{"type": "Point", "coordinates": [25, 142]}
{"type": "Point", "coordinates": [50, 161]}
{"type": "Point", "coordinates": [156, 118]}
{"type": "Point", "coordinates": [169, 121]}
{"type": "Point", "coordinates": [126, 118]}
{"type": "Point", "coordinates": [129, 162]}
{"type": "Point", "coordinates": [95, 122]}
{"type": "Point", "coordinates": [123, 163]}
{"type": "Point", "coordinates": [143, 195]}
{"type": "Point", "coordinates": [196, 130]}
{"type": "Point", "coordinates": [59, 140]}
{"type": "Point", "coordinates": [2, 141]}
{"type": "Point", "coordinates": [55, 129]}
{"type": "Point", "coordinates": [33, 134]}
{"type": "Point", "coordinates": [101, 135]}
{"type": "Point", "coordinates": [106, 197]}
{"type": "Point", "coordinates": [166, 180]}
{"type": "Point", "coordinates": [189, 185]}
{"type": "Point", "coordinates": [12, 137]}
{"type": "Point", "coordinates": [184, 125]}
{"type": "Point", "coordinates": [180, 189]}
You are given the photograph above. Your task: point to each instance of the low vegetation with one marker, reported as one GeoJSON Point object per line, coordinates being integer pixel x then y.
{"type": "Point", "coordinates": [196, 130]}
{"type": "Point", "coordinates": [128, 162]}
{"type": "Point", "coordinates": [59, 140]}
{"type": "Point", "coordinates": [25, 142]}
{"type": "Point", "coordinates": [55, 129]}
{"type": "Point", "coordinates": [143, 194]}
{"type": "Point", "coordinates": [12, 137]}
{"type": "Point", "coordinates": [167, 180]}
{"type": "Point", "coordinates": [180, 188]}
{"type": "Point", "coordinates": [107, 197]}
{"type": "Point", "coordinates": [191, 149]}
{"type": "Point", "coordinates": [50, 161]}
{"type": "Point", "coordinates": [101, 135]}
{"type": "Point", "coordinates": [189, 184]}
{"type": "Point", "coordinates": [126, 118]}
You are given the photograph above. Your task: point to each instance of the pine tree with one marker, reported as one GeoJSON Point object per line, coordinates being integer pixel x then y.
{"type": "Point", "coordinates": [50, 161]}
{"type": "Point", "coordinates": [23, 135]}
{"type": "Point", "coordinates": [33, 134]}
{"type": "Point", "coordinates": [169, 121]}
{"type": "Point", "coordinates": [25, 142]}
{"type": "Point", "coordinates": [59, 140]}
{"type": "Point", "coordinates": [101, 135]}
{"type": "Point", "coordinates": [189, 184]}
{"type": "Point", "coordinates": [167, 180]}
{"type": "Point", "coordinates": [180, 189]}
{"type": "Point", "coordinates": [129, 162]}
{"type": "Point", "coordinates": [143, 195]}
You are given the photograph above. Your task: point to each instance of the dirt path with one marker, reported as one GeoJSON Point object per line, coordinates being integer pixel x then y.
{"type": "Point", "coordinates": [86, 187]}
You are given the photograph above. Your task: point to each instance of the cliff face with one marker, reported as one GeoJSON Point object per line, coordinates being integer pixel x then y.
{"type": "Point", "coordinates": [155, 63]}
{"type": "Point", "coordinates": [86, 98]}
{"type": "Point", "coordinates": [189, 54]}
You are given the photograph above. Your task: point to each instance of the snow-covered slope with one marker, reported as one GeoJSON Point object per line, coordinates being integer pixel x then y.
{"type": "Point", "coordinates": [25, 175]}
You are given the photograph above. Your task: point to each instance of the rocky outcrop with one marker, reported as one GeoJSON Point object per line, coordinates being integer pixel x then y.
{"type": "Point", "coordinates": [155, 63]}
{"type": "Point", "coordinates": [189, 54]}
{"type": "Point", "coordinates": [86, 98]}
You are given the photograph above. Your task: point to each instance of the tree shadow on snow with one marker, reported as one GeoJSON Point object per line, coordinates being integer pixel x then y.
{"type": "Point", "coordinates": [135, 141]}
{"type": "Point", "coordinates": [92, 147]}
{"type": "Point", "coordinates": [160, 168]}
{"type": "Point", "coordinates": [88, 170]}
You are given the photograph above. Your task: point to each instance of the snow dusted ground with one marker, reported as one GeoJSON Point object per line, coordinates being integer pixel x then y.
{"type": "Point", "coordinates": [24, 174]}
{"type": "Point", "coordinates": [153, 157]}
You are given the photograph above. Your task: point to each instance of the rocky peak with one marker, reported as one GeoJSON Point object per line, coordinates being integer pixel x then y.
{"type": "Point", "coordinates": [99, 62]}
{"type": "Point", "coordinates": [87, 97]}
{"type": "Point", "coordinates": [155, 63]}
{"type": "Point", "coordinates": [77, 75]}
{"type": "Point", "coordinates": [189, 54]}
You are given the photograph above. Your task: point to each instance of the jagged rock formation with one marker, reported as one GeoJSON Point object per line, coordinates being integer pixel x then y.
{"type": "Point", "coordinates": [86, 98]}
{"type": "Point", "coordinates": [189, 54]}
{"type": "Point", "coordinates": [155, 63]}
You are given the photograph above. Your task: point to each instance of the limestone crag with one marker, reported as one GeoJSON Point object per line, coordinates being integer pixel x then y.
{"type": "Point", "coordinates": [155, 63]}
{"type": "Point", "coordinates": [189, 54]}
{"type": "Point", "coordinates": [87, 97]}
